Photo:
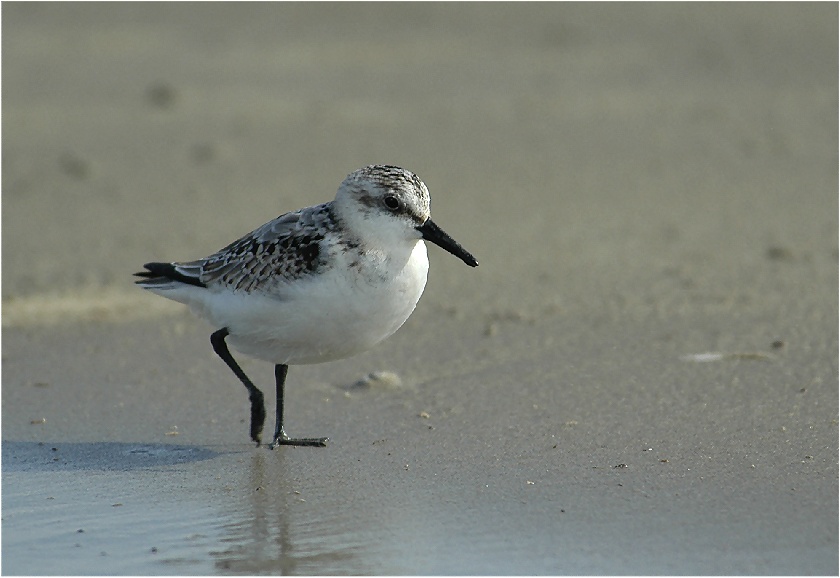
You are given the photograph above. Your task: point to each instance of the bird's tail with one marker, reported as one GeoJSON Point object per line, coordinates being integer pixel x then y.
{"type": "Point", "coordinates": [168, 276]}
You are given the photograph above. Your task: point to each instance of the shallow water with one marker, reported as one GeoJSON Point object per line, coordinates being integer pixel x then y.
{"type": "Point", "coordinates": [155, 509]}
{"type": "Point", "coordinates": [102, 509]}
{"type": "Point", "coordinates": [158, 509]}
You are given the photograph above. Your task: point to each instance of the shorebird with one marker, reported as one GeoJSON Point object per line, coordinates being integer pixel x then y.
{"type": "Point", "coordinates": [314, 285]}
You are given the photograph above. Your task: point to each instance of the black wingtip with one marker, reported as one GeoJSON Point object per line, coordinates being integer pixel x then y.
{"type": "Point", "coordinates": [165, 271]}
{"type": "Point", "coordinates": [145, 275]}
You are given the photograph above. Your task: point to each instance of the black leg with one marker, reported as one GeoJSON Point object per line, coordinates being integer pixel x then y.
{"type": "Point", "coordinates": [254, 394]}
{"type": "Point", "coordinates": [280, 437]}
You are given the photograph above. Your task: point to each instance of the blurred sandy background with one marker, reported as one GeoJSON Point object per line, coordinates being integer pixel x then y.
{"type": "Point", "coordinates": [640, 183]}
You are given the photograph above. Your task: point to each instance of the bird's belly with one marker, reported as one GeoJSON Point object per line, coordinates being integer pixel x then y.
{"type": "Point", "coordinates": [330, 317]}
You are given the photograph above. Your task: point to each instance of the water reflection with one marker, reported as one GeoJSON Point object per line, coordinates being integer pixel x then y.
{"type": "Point", "coordinates": [276, 530]}
{"type": "Point", "coordinates": [150, 509]}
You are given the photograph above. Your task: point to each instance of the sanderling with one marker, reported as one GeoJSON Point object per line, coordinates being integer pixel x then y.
{"type": "Point", "coordinates": [314, 285]}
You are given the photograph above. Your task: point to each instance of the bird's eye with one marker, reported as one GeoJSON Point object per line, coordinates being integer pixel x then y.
{"type": "Point", "coordinates": [392, 202]}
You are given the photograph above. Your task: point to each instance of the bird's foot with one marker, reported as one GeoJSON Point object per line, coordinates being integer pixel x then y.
{"type": "Point", "coordinates": [281, 439]}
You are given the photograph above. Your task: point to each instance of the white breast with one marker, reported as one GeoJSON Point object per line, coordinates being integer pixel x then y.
{"type": "Point", "coordinates": [342, 311]}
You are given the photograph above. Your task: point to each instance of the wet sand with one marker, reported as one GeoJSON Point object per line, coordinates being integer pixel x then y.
{"type": "Point", "coordinates": [643, 185]}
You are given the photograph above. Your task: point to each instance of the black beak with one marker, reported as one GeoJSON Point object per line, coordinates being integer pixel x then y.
{"type": "Point", "coordinates": [435, 234]}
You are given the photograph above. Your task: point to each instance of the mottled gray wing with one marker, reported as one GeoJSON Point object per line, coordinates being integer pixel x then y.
{"type": "Point", "coordinates": [280, 251]}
